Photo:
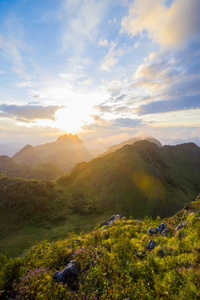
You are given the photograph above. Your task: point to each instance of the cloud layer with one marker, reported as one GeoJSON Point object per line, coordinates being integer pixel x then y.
{"type": "Point", "coordinates": [168, 26]}
{"type": "Point", "coordinates": [28, 113]}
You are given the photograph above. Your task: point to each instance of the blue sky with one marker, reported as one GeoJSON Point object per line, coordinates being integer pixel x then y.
{"type": "Point", "coordinates": [105, 70]}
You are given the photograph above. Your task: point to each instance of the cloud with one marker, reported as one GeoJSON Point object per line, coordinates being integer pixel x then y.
{"type": "Point", "coordinates": [104, 43]}
{"type": "Point", "coordinates": [113, 125]}
{"type": "Point", "coordinates": [168, 81]}
{"type": "Point", "coordinates": [14, 49]}
{"type": "Point", "coordinates": [181, 103]}
{"type": "Point", "coordinates": [110, 59]}
{"type": "Point", "coordinates": [168, 26]}
{"type": "Point", "coordinates": [82, 20]}
{"type": "Point", "coordinates": [28, 113]}
{"type": "Point", "coordinates": [127, 122]}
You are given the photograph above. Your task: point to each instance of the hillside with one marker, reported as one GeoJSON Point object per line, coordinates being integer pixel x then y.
{"type": "Point", "coordinates": [45, 172]}
{"type": "Point", "coordinates": [138, 180]}
{"type": "Point", "coordinates": [123, 259]}
{"type": "Point", "coordinates": [65, 153]}
{"type": "Point", "coordinates": [131, 142]}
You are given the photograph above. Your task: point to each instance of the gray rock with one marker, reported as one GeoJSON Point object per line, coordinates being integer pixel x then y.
{"type": "Point", "coordinates": [150, 231]}
{"type": "Point", "coordinates": [165, 232]}
{"type": "Point", "coordinates": [162, 227]}
{"type": "Point", "coordinates": [68, 275]}
{"type": "Point", "coordinates": [178, 227]}
{"type": "Point", "coordinates": [151, 245]}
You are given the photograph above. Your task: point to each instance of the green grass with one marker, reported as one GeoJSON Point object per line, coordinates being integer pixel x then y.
{"type": "Point", "coordinates": [118, 272]}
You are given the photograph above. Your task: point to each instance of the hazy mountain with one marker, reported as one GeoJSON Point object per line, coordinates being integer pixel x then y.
{"type": "Point", "coordinates": [131, 142]}
{"type": "Point", "coordinates": [46, 171]}
{"type": "Point", "coordinates": [65, 153]}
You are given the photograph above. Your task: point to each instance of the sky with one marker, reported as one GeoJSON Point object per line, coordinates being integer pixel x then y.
{"type": "Point", "coordinates": [105, 70]}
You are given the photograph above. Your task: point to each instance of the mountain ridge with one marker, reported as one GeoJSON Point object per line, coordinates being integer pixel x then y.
{"type": "Point", "coordinates": [65, 152]}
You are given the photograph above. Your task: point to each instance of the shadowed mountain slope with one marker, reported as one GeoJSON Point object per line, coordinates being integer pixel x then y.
{"type": "Point", "coordinates": [46, 171]}
{"type": "Point", "coordinates": [65, 153]}
{"type": "Point", "coordinates": [137, 179]}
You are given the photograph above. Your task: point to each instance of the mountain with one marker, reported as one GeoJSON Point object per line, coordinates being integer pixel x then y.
{"type": "Point", "coordinates": [139, 179]}
{"type": "Point", "coordinates": [65, 153]}
{"type": "Point", "coordinates": [131, 142]}
{"type": "Point", "coordinates": [119, 259]}
{"type": "Point", "coordinates": [46, 171]}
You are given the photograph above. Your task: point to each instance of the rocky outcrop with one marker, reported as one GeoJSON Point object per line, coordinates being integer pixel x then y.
{"type": "Point", "coordinates": [69, 275]}
{"type": "Point", "coordinates": [112, 219]}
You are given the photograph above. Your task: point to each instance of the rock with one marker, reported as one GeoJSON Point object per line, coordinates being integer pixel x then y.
{"type": "Point", "coordinates": [150, 231]}
{"type": "Point", "coordinates": [156, 230]}
{"type": "Point", "coordinates": [178, 227]}
{"type": "Point", "coordinates": [151, 245]}
{"type": "Point", "coordinates": [199, 211]}
{"type": "Point", "coordinates": [104, 223]}
{"type": "Point", "coordinates": [161, 227]}
{"type": "Point", "coordinates": [112, 219]}
{"type": "Point", "coordinates": [68, 275]}
{"type": "Point", "coordinates": [127, 298]}
{"type": "Point", "coordinates": [165, 232]}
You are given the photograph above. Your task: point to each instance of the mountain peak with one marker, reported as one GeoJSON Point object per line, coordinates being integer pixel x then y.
{"type": "Point", "coordinates": [67, 137]}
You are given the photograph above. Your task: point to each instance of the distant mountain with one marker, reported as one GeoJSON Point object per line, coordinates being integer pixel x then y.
{"type": "Point", "coordinates": [46, 171]}
{"type": "Point", "coordinates": [130, 142]}
{"type": "Point", "coordinates": [66, 152]}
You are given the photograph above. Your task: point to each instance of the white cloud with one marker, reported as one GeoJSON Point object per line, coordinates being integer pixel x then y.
{"type": "Point", "coordinates": [136, 45]}
{"type": "Point", "coordinates": [167, 26]}
{"type": "Point", "coordinates": [82, 19]}
{"type": "Point", "coordinates": [104, 43]}
{"type": "Point", "coordinates": [110, 59]}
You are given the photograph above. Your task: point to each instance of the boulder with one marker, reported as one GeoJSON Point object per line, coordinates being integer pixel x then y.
{"type": "Point", "coordinates": [150, 231]}
{"type": "Point", "coordinates": [162, 227]}
{"type": "Point", "coordinates": [151, 245]}
{"type": "Point", "coordinates": [68, 275]}
{"type": "Point", "coordinates": [180, 226]}
{"type": "Point", "coordinates": [165, 232]}
{"type": "Point", "coordinates": [112, 219]}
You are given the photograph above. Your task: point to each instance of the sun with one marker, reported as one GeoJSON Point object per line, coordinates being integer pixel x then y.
{"type": "Point", "coordinates": [71, 119]}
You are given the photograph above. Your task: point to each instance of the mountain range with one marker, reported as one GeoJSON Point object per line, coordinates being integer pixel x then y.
{"type": "Point", "coordinates": [66, 152]}
{"type": "Point", "coordinates": [137, 180]}
{"type": "Point", "coordinates": [47, 171]}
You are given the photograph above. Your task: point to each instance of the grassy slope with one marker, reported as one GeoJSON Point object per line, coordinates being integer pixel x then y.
{"type": "Point", "coordinates": [48, 171]}
{"type": "Point", "coordinates": [118, 273]}
{"type": "Point", "coordinates": [139, 180]}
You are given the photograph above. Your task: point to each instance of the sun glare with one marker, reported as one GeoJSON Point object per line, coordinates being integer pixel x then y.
{"type": "Point", "coordinates": [72, 118]}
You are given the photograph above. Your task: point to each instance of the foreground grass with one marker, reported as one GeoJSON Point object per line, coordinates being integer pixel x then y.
{"type": "Point", "coordinates": [123, 269]}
